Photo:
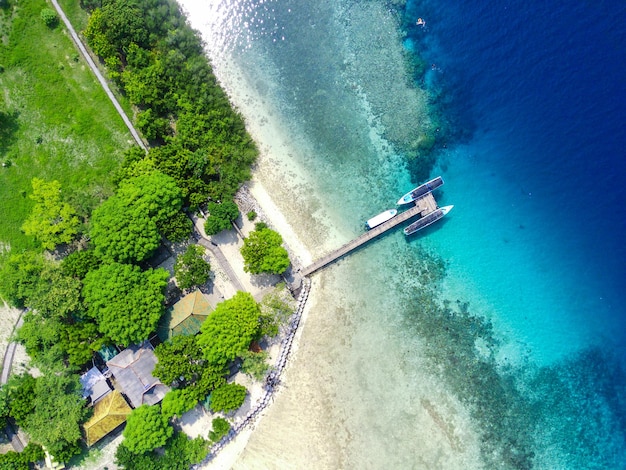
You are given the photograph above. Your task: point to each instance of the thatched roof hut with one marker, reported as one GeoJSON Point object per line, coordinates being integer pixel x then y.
{"type": "Point", "coordinates": [185, 317]}
{"type": "Point", "coordinates": [109, 413]}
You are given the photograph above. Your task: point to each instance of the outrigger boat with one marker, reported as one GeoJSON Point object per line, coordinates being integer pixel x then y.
{"type": "Point", "coordinates": [421, 190]}
{"type": "Point", "coordinates": [380, 218]}
{"type": "Point", "coordinates": [427, 220]}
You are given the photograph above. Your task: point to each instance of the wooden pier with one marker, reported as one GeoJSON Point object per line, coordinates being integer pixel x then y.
{"type": "Point", "coordinates": [423, 206]}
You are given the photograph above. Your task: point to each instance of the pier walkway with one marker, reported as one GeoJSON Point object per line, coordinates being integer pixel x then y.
{"type": "Point", "coordinates": [423, 206]}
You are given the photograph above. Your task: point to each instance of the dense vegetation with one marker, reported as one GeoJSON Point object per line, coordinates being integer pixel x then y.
{"type": "Point", "coordinates": [50, 408]}
{"type": "Point", "coordinates": [157, 59]}
{"type": "Point", "coordinates": [104, 292]}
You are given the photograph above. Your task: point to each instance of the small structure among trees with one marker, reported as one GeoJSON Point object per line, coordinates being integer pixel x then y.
{"type": "Point", "coordinates": [108, 414]}
{"type": "Point", "coordinates": [132, 369]}
{"type": "Point", "coordinates": [185, 317]}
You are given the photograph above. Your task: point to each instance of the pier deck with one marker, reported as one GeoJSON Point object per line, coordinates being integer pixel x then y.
{"type": "Point", "coordinates": [423, 206]}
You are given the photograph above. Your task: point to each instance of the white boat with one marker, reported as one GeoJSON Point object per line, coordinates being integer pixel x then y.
{"type": "Point", "coordinates": [380, 218]}
{"type": "Point", "coordinates": [421, 190]}
{"type": "Point", "coordinates": [446, 209]}
{"type": "Point", "coordinates": [427, 220]}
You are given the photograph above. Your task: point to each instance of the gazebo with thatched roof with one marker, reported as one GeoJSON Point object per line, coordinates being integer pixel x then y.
{"type": "Point", "coordinates": [185, 317]}
{"type": "Point", "coordinates": [108, 414]}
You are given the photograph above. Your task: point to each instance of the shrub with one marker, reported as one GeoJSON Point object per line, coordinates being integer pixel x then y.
{"type": "Point", "coordinates": [220, 217]}
{"type": "Point", "coordinates": [49, 17]}
{"type": "Point", "coordinates": [228, 397]}
{"type": "Point", "coordinates": [251, 215]}
{"type": "Point", "coordinates": [220, 429]}
{"type": "Point", "coordinates": [177, 402]}
{"type": "Point", "coordinates": [146, 429]}
{"type": "Point", "coordinates": [263, 253]}
{"type": "Point", "coordinates": [255, 364]}
{"type": "Point", "coordinates": [191, 269]}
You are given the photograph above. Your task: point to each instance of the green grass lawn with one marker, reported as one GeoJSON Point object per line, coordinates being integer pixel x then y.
{"type": "Point", "coordinates": [56, 121]}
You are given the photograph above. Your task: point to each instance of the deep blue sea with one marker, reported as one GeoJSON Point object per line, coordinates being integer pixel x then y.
{"type": "Point", "coordinates": [537, 92]}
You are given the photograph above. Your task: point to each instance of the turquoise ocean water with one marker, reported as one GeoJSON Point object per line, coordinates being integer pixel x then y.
{"type": "Point", "coordinates": [516, 300]}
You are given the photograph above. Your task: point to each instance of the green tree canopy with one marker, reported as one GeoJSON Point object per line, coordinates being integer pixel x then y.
{"type": "Point", "coordinates": [191, 269]}
{"type": "Point", "coordinates": [178, 401]}
{"type": "Point", "coordinates": [79, 263]}
{"type": "Point", "coordinates": [180, 361]}
{"type": "Point", "coordinates": [55, 294]}
{"type": "Point", "coordinates": [58, 413]}
{"type": "Point", "coordinates": [20, 390]}
{"type": "Point", "coordinates": [125, 301]}
{"type": "Point", "coordinates": [155, 193]}
{"type": "Point", "coordinates": [21, 460]}
{"type": "Point", "coordinates": [228, 331]}
{"type": "Point", "coordinates": [19, 275]}
{"type": "Point", "coordinates": [220, 428]}
{"type": "Point", "coordinates": [123, 233]}
{"type": "Point", "coordinates": [51, 220]}
{"type": "Point", "coordinates": [180, 453]}
{"type": "Point", "coordinates": [220, 217]}
{"type": "Point", "coordinates": [182, 364]}
{"type": "Point", "coordinates": [126, 226]}
{"type": "Point", "coordinates": [146, 429]}
{"type": "Point", "coordinates": [228, 397]}
{"type": "Point", "coordinates": [262, 252]}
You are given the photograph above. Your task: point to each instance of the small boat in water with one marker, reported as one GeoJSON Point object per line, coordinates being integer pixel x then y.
{"type": "Point", "coordinates": [421, 190]}
{"type": "Point", "coordinates": [380, 218]}
{"type": "Point", "coordinates": [427, 220]}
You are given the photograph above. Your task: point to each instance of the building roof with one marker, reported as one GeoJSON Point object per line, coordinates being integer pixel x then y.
{"type": "Point", "coordinates": [108, 414]}
{"type": "Point", "coordinates": [132, 369]}
{"type": "Point", "coordinates": [94, 385]}
{"type": "Point", "coordinates": [185, 317]}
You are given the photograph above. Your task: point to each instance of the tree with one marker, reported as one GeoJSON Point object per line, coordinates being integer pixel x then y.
{"type": "Point", "coordinates": [51, 220]}
{"type": "Point", "coordinates": [228, 331]}
{"type": "Point", "coordinates": [228, 397]}
{"type": "Point", "coordinates": [146, 429]}
{"type": "Point", "coordinates": [20, 397]}
{"type": "Point", "coordinates": [21, 460]}
{"type": "Point", "coordinates": [180, 361]}
{"type": "Point", "coordinates": [19, 275]}
{"type": "Point", "coordinates": [49, 17]}
{"type": "Point", "coordinates": [220, 428]}
{"type": "Point", "coordinates": [79, 263]}
{"type": "Point", "coordinates": [179, 453]}
{"type": "Point", "coordinates": [255, 364]}
{"type": "Point", "coordinates": [155, 193]}
{"type": "Point", "coordinates": [55, 294]}
{"type": "Point", "coordinates": [191, 269]}
{"type": "Point", "coordinates": [177, 402]}
{"type": "Point", "coordinates": [220, 217]}
{"type": "Point", "coordinates": [275, 311]}
{"type": "Point", "coordinates": [126, 227]}
{"type": "Point", "coordinates": [59, 410]}
{"type": "Point", "coordinates": [123, 233]}
{"type": "Point", "coordinates": [262, 252]}
{"type": "Point", "coordinates": [178, 228]}
{"type": "Point", "coordinates": [125, 301]}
